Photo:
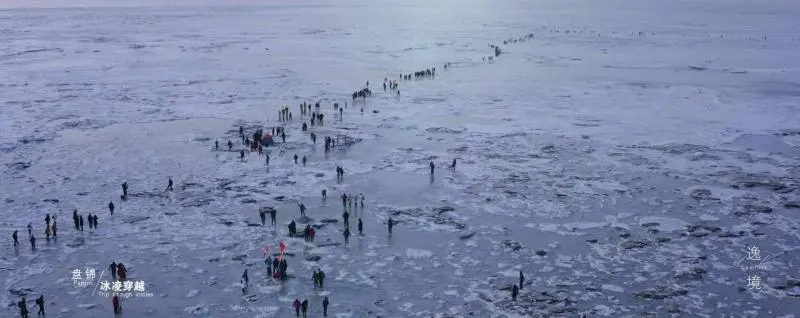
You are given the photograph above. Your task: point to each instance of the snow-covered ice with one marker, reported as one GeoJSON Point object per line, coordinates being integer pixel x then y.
{"type": "Point", "coordinates": [626, 156]}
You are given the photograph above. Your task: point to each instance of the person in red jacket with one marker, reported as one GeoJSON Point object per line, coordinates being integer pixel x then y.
{"type": "Point", "coordinates": [296, 306]}
{"type": "Point", "coordinates": [312, 232]}
{"type": "Point", "coordinates": [122, 272]}
{"type": "Point", "coordinates": [115, 302]}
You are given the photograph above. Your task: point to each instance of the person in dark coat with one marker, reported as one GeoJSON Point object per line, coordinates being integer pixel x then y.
{"type": "Point", "coordinates": [321, 276]}
{"type": "Point", "coordinates": [111, 207]}
{"type": "Point", "coordinates": [113, 269]}
{"type": "Point", "coordinates": [304, 306]}
{"type": "Point", "coordinates": [283, 266]}
{"type": "Point", "coordinates": [263, 215]}
{"type": "Point", "coordinates": [325, 304]}
{"type": "Point", "coordinates": [360, 227]}
{"type": "Point", "coordinates": [23, 308]}
{"type": "Point", "coordinates": [40, 303]}
{"type": "Point", "coordinates": [514, 292]}
{"type": "Point", "coordinates": [521, 279]}
{"type": "Point", "coordinates": [75, 218]}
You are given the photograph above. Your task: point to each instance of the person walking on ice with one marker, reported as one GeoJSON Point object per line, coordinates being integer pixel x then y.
{"type": "Point", "coordinates": [23, 308]}
{"type": "Point", "coordinates": [304, 307]}
{"type": "Point", "coordinates": [40, 303]}
{"type": "Point", "coordinates": [116, 304]}
{"type": "Point", "coordinates": [245, 281]}
{"type": "Point", "coordinates": [514, 292]}
{"type": "Point", "coordinates": [346, 235]}
{"type": "Point", "coordinates": [296, 306]}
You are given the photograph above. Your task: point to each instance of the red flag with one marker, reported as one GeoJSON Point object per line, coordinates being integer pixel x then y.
{"type": "Point", "coordinates": [283, 247]}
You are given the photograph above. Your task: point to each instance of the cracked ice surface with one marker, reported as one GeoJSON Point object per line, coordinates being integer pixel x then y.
{"type": "Point", "coordinates": [625, 173]}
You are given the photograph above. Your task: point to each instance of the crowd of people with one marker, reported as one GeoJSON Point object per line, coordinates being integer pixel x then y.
{"type": "Point", "coordinates": [276, 267]}
{"type": "Point", "coordinates": [118, 271]}
{"type": "Point", "coordinates": [350, 202]}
